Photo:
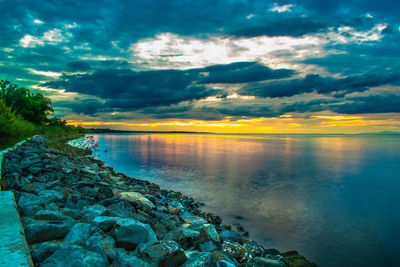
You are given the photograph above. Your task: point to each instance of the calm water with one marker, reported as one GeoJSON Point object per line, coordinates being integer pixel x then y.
{"type": "Point", "coordinates": [335, 198]}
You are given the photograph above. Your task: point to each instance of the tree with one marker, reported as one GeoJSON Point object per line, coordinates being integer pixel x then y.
{"type": "Point", "coordinates": [33, 107]}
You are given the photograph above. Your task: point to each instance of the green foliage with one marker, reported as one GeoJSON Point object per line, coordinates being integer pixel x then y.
{"type": "Point", "coordinates": [33, 107]}
{"type": "Point", "coordinates": [23, 114]}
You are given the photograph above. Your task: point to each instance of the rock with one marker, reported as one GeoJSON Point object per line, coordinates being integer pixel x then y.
{"type": "Point", "coordinates": [174, 211]}
{"type": "Point", "coordinates": [40, 232]}
{"type": "Point", "coordinates": [44, 250]}
{"type": "Point", "coordinates": [207, 233]}
{"type": "Point", "coordinates": [121, 209]}
{"type": "Point", "coordinates": [267, 262]}
{"type": "Point", "coordinates": [293, 258]}
{"type": "Point", "coordinates": [105, 189]}
{"type": "Point", "coordinates": [74, 256]}
{"type": "Point", "coordinates": [197, 259]}
{"type": "Point", "coordinates": [122, 259]}
{"type": "Point", "coordinates": [49, 196]}
{"type": "Point", "coordinates": [51, 215]}
{"type": "Point", "coordinates": [101, 243]}
{"type": "Point", "coordinates": [231, 236]}
{"type": "Point", "coordinates": [105, 175]}
{"type": "Point", "coordinates": [186, 238]}
{"type": "Point", "coordinates": [76, 201]}
{"type": "Point", "coordinates": [137, 200]}
{"type": "Point", "coordinates": [164, 253]}
{"type": "Point", "coordinates": [210, 246]}
{"type": "Point", "coordinates": [220, 259]}
{"type": "Point", "coordinates": [79, 233]}
{"type": "Point", "coordinates": [234, 250]}
{"type": "Point", "coordinates": [254, 249]}
{"type": "Point", "coordinates": [29, 204]}
{"type": "Point", "coordinates": [105, 223]}
{"type": "Point", "coordinates": [93, 211]}
{"type": "Point", "coordinates": [131, 232]}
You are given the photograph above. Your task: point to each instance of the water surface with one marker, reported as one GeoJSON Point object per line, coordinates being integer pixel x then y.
{"type": "Point", "coordinates": [333, 198]}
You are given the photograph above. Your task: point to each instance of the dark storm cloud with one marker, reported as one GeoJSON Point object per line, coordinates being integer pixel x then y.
{"type": "Point", "coordinates": [369, 104]}
{"type": "Point", "coordinates": [82, 106]}
{"type": "Point", "coordinates": [78, 66]}
{"type": "Point", "coordinates": [242, 72]}
{"type": "Point", "coordinates": [322, 85]}
{"type": "Point", "coordinates": [351, 105]}
{"type": "Point", "coordinates": [127, 89]}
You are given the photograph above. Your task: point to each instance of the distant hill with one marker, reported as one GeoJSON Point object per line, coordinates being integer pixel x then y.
{"type": "Point", "coordinates": [382, 133]}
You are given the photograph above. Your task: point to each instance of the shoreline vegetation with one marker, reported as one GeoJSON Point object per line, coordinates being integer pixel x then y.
{"type": "Point", "coordinates": [24, 114]}
{"type": "Point", "coordinates": [73, 204]}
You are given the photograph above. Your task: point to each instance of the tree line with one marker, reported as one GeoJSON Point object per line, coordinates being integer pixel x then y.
{"type": "Point", "coordinates": [24, 113]}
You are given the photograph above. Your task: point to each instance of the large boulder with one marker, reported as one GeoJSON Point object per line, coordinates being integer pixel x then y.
{"type": "Point", "coordinates": [131, 233]}
{"type": "Point", "coordinates": [137, 200]}
{"type": "Point", "coordinates": [50, 196]}
{"type": "Point", "coordinates": [44, 250]}
{"type": "Point", "coordinates": [185, 237]}
{"type": "Point", "coordinates": [122, 259]}
{"type": "Point", "coordinates": [74, 256]}
{"type": "Point", "coordinates": [29, 204]}
{"type": "Point", "coordinates": [51, 215]}
{"type": "Point", "coordinates": [164, 253]}
{"type": "Point", "coordinates": [79, 233]}
{"type": "Point", "coordinates": [39, 232]}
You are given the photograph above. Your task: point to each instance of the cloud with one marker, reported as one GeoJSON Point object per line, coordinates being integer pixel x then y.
{"type": "Point", "coordinates": [78, 66]}
{"type": "Point", "coordinates": [292, 26]}
{"type": "Point", "coordinates": [127, 89]}
{"type": "Point", "coordinates": [242, 72]}
{"type": "Point", "coordinates": [337, 87]}
{"type": "Point", "coordinates": [280, 9]}
{"type": "Point", "coordinates": [369, 104]}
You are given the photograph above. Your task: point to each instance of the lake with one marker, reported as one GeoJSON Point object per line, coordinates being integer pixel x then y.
{"type": "Point", "coordinates": [333, 198]}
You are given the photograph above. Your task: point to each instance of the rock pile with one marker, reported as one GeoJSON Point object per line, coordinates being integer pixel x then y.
{"type": "Point", "coordinates": [78, 212]}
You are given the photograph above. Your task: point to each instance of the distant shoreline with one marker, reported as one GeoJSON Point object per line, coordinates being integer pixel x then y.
{"type": "Point", "coordinates": [108, 131]}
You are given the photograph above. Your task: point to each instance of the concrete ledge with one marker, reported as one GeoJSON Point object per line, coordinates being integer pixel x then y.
{"type": "Point", "coordinates": [14, 250]}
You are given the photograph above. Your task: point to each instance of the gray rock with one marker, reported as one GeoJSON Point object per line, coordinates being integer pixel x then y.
{"type": "Point", "coordinates": [51, 215]}
{"type": "Point", "coordinates": [234, 250]}
{"type": "Point", "coordinates": [197, 259]}
{"type": "Point", "coordinates": [49, 196]}
{"type": "Point", "coordinates": [79, 233]}
{"type": "Point", "coordinates": [210, 246]}
{"type": "Point", "coordinates": [102, 244]}
{"type": "Point", "coordinates": [93, 211]}
{"type": "Point", "coordinates": [184, 237]}
{"type": "Point", "coordinates": [105, 223]}
{"type": "Point", "coordinates": [74, 256]}
{"type": "Point", "coordinates": [131, 232]}
{"type": "Point", "coordinates": [254, 249]}
{"type": "Point", "coordinates": [44, 250]}
{"type": "Point", "coordinates": [122, 259]}
{"type": "Point", "coordinates": [164, 253]}
{"type": "Point", "coordinates": [121, 209]}
{"type": "Point", "coordinates": [40, 232]}
{"type": "Point", "coordinates": [137, 200]}
{"type": "Point", "coordinates": [76, 201]}
{"type": "Point", "coordinates": [29, 204]}
{"type": "Point", "coordinates": [266, 262]}
{"type": "Point", "coordinates": [231, 236]}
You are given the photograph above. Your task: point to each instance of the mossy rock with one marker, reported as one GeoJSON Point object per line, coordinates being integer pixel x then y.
{"type": "Point", "coordinates": [294, 259]}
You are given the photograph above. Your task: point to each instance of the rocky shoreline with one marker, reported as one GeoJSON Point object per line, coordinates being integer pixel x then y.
{"type": "Point", "coordinates": [76, 211]}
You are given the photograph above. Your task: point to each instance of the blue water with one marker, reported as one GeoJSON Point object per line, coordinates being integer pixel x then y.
{"type": "Point", "coordinates": [334, 198]}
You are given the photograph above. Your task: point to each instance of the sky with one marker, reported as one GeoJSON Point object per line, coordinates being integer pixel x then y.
{"type": "Point", "coordinates": [228, 66]}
